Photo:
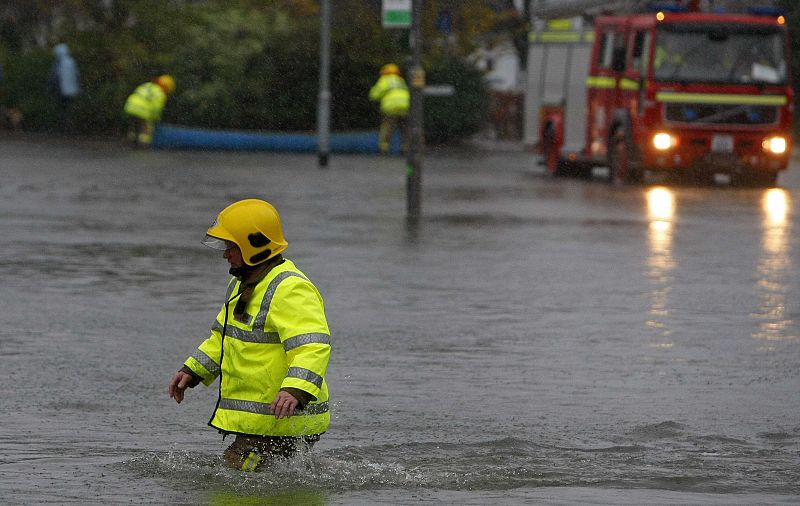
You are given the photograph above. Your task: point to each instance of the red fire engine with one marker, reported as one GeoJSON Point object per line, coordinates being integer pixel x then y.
{"type": "Point", "coordinates": [692, 94]}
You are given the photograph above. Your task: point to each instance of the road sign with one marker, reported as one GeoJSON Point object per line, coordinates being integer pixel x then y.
{"type": "Point", "coordinates": [439, 90]}
{"type": "Point", "coordinates": [444, 22]}
{"type": "Point", "coordinates": [396, 13]}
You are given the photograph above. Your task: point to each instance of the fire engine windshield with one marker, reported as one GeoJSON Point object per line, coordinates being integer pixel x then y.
{"type": "Point", "coordinates": [735, 54]}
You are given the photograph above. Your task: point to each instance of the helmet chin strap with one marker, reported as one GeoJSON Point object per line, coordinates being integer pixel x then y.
{"type": "Point", "coordinates": [245, 270]}
{"type": "Point", "coordinates": [241, 272]}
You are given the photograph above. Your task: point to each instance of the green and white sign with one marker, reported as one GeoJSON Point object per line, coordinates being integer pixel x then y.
{"type": "Point", "coordinates": [396, 13]}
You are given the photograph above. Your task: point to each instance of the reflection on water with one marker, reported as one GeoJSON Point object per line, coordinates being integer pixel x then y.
{"type": "Point", "coordinates": [540, 284]}
{"type": "Point", "coordinates": [660, 262]}
{"type": "Point", "coordinates": [774, 266]}
{"type": "Point", "coordinates": [305, 497]}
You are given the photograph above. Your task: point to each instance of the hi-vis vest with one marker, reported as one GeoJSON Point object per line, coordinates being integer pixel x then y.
{"type": "Point", "coordinates": [285, 342]}
{"type": "Point", "coordinates": [392, 91]}
{"type": "Point", "coordinates": [146, 102]}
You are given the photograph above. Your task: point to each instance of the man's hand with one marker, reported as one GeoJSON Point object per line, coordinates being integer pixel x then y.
{"type": "Point", "coordinates": [178, 385]}
{"type": "Point", "coordinates": [283, 405]}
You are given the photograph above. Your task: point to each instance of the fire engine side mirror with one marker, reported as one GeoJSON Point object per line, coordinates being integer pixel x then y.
{"type": "Point", "coordinates": [618, 59]}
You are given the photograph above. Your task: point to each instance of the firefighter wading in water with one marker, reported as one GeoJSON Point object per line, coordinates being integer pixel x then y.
{"type": "Point", "coordinates": [392, 93]}
{"type": "Point", "coordinates": [270, 344]}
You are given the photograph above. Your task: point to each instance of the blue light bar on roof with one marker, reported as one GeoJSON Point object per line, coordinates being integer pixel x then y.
{"type": "Point", "coordinates": [766, 11]}
{"type": "Point", "coordinates": [663, 7]}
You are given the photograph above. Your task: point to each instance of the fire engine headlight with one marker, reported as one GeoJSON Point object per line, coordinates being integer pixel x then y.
{"type": "Point", "coordinates": [775, 145]}
{"type": "Point", "coordinates": [663, 141]}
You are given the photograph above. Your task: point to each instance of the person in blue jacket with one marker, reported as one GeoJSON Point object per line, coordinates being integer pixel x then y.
{"type": "Point", "coordinates": [64, 83]}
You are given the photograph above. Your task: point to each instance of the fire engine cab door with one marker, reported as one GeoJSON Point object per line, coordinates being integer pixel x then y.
{"type": "Point", "coordinates": [602, 86]}
{"type": "Point", "coordinates": [631, 83]}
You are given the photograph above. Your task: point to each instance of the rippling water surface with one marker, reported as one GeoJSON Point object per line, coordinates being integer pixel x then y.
{"type": "Point", "coordinates": [531, 341]}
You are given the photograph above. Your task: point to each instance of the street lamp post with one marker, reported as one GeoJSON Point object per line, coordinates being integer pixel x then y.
{"type": "Point", "coordinates": [416, 140]}
{"type": "Point", "coordinates": [324, 103]}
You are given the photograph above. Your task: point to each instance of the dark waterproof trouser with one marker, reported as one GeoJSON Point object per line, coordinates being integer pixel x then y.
{"type": "Point", "coordinates": [389, 124]}
{"type": "Point", "coordinates": [250, 453]}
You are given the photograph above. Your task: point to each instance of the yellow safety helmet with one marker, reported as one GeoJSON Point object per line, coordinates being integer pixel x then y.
{"type": "Point", "coordinates": [251, 224]}
{"type": "Point", "coordinates": [390, 68]}
{"type": "Point", "coordinates": [166, 82]}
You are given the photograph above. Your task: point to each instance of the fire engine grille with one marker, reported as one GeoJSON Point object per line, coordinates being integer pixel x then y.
{"type": "Point", "coordinates": [722, 114]}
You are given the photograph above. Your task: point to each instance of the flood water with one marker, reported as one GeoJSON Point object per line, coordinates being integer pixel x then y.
{"type": "Point", "coordinates": [531, 341]}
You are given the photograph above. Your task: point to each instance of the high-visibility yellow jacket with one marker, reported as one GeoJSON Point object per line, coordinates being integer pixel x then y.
{"type": "Point", "coordinates": [146, 102]}
{"type": "Point", "coordinates": [393, 94]}
{"type": "Point", "coordinates": [285, 343]}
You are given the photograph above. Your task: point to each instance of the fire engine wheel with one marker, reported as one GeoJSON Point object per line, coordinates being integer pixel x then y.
{"type": "Point", "coordinates": [620, 159]}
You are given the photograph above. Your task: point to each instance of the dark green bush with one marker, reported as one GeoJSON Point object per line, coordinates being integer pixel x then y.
{"type": "Point", "coordinates": [238, 68]}
{"type": "Point", "coordinates": [26, 88]}
{"type": "Point", "coordinates": [461, 115]}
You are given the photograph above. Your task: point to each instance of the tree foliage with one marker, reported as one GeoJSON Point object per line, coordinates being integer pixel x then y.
{"type": "Point", "coordinates": [246, 64]}
{"type": "Point", "coordinates": [452, 118]}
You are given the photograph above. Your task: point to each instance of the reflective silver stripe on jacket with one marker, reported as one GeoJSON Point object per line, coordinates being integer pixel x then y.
{"type": "Point", "coordinates": [262, 408]}
{"type": "Point", "coordinates": [300, 340]}
{"type": "Point", "coordinates": [305, 374]}
{"type": "Point", "coordinates": [261, 317]}
{"type": "Point", "coordinates": [229, 291]}
{"type": "Point", "coordinates": [256, 336]}
{"type": "Point", "coordinates": [206, 362]}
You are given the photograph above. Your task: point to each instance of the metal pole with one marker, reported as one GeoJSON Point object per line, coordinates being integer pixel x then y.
{"type": "Point", "coordinates": [416, 141]}
{"type": "Point", "coordinates": [324, 103]}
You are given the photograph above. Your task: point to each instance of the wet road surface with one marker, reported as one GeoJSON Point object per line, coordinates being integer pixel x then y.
{"type": "Point", "coordinates": [532, 340]}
